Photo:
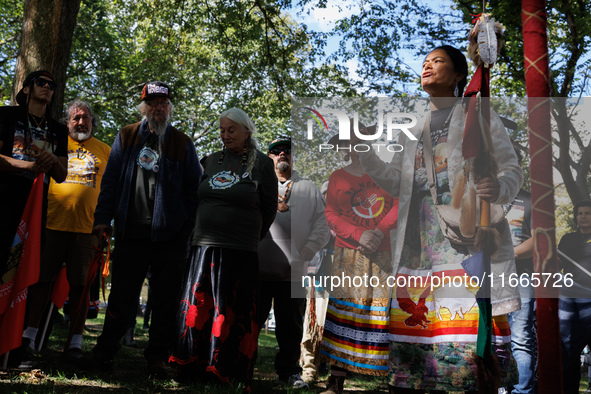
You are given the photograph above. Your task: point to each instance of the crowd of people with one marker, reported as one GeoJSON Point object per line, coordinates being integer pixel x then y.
{"type": "Point", "coordinates": [227, 237]}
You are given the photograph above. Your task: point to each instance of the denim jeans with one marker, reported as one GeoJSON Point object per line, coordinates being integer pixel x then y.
{"type": "Point", "coordinates": [523, 344]}
{"type": "Point", "coordinates": [575, 329]}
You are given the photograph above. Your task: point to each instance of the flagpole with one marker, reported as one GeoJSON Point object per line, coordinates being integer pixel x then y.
{"type": "Point", "coordinates": [45, 327]}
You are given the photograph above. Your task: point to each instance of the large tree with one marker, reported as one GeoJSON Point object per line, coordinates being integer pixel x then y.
{"type": "Point", "coordinates": [214, 54]}
{"type": "Point", "coordinates": [45, 41]}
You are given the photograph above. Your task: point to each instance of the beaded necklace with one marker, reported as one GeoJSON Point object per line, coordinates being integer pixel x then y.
{"type": "Point", "coordinates": [242, 161]}
{"type": "Point", "coordinates": [29, 138]}
{"type": "Point", "coordinates": [282, 205]}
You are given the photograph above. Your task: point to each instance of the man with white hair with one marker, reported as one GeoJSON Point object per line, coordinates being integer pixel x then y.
{"type": "Point", "coordinates": [69, 227]}
{"type": "Point", "coordinates": [150, 190]}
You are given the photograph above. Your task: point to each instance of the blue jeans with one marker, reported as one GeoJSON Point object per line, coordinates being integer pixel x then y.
{"type": "Point", "coordinates": [575, 329]}
{"type": "Point", "coordinates": [523, 345]}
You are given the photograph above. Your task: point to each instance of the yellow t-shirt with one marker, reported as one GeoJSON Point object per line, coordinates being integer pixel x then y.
{"type": "Point", "coordinates": [71, 203]}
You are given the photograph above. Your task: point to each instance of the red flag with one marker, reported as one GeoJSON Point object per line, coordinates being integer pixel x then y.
{"type": "Point", "coordinates": [471, 145]}
{"type": "Point", "coordinates": [23, 270]}
{"type": "Point", "coordinates": [61, 288]}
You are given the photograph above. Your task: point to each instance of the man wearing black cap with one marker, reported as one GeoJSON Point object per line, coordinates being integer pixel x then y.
{"type": "Point", "coordinates": [150, 189]}
{"type": "Point", "coordinates": [283, 254]}
{"type": "Point", "coordinates": [30, 143]}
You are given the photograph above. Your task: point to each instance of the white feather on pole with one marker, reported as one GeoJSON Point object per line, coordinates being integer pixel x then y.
{"type": "Point", "coordinates": [487, 40]}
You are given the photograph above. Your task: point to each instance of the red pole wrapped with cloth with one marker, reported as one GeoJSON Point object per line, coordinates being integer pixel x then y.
{"type": "Point", "coordinates": [537, 80]}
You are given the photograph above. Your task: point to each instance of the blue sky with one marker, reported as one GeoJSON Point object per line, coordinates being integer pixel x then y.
{"type": "Point", "coordinates": [323, 20]}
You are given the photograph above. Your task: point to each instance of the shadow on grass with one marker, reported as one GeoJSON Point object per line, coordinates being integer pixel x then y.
{"type": "Point", "coordinates": [53, 375]}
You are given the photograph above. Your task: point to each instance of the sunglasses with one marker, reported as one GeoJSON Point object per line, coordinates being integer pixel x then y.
{"type": "Point", "coordinates": [41, 82]}
{"type": "Point", "coordinates": [277, 151]}
{"type": "Point", "coordinates": [154, 104]}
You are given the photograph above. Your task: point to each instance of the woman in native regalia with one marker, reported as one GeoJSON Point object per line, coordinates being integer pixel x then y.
{"type": "Point", "coordinates": [434, 326]}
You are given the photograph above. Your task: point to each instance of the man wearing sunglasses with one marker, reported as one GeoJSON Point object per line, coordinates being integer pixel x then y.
{"type": "Point", "coordinates": [283, 255]}
{"type": "Point", "coordinates": [150, 189]}
{"type": "Point", "coordinates": [31, 142]}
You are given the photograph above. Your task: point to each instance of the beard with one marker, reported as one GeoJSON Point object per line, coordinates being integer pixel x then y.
{"type": "Point", "coordinates": [158, 127]}
{"type": "Point", "coordinates": [283, 166]}
{"type": "Point", "coordinates": [80, 136]}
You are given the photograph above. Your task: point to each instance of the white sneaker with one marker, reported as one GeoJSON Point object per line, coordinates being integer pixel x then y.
{"type": "Point", "coordinates": [296, 382]}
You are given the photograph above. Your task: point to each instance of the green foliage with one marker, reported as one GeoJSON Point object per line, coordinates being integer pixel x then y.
{"type": "Point", "coordinates": [214, 54]}
{"type": "Point", "coordinates": [11, 15]}
{"type": "Point", "coordinates": [386, 36]}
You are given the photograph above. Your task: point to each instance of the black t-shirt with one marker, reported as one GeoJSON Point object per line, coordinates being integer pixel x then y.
{"type": "Point", "coordinates": [141, 211]}
{"type": "Point", "coordinates": [17, 142]}
{"type": "Point", "coordinates": [519, 218]}
{"type": "Point", "coordinates": [22, 135]}
{"type": "Point", "coordinates": [577, 246]}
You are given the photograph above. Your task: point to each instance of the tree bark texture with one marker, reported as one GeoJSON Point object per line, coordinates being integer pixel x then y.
{"type": "Point", "coordinates": [46, 40]}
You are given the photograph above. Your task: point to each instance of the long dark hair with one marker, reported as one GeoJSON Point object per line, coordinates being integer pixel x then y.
{"type": "Point", "coordinates": [460, 64]}
{"type": "Point", "coordinates": [50, 137]}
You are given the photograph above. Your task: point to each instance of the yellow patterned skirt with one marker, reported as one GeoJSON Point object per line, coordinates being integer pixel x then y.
{"type": "Point", "coordinates": [356, 328]}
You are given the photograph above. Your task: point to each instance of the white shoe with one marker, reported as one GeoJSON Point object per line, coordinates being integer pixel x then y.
{"type": "Point", "coordinates": [296, 382]}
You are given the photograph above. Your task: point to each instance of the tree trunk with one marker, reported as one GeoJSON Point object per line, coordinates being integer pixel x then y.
{"type": "Point", "coordinates": [46, 40]}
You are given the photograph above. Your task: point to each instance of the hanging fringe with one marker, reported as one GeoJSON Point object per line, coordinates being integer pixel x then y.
{"type": "Point", "coordinates": [468, 212]}
{"type": "Point", "coordinates": [488, 240]}
{"type": "Point", "coordinates": [460, 186]}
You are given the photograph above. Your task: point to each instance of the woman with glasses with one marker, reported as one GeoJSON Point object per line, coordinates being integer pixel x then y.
{"type": "Point", "coordinates": [217, 330]}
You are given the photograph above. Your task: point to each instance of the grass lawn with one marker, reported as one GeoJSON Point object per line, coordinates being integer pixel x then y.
{"type": "Point", "coordinates": [54, 376]}
{"type": "Point", "coordinates": [129, 376]}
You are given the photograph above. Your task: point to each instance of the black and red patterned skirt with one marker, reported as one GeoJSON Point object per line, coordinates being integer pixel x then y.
{"type": "Point", "coordinates": [217, 332]}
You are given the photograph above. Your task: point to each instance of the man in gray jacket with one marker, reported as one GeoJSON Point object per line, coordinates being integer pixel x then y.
{"type": "Point", "coordinates": [283, 254]}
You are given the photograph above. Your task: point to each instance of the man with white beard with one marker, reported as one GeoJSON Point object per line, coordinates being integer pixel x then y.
{"type": "Point", "coordinates": [150, 190]}
{"type": "Point", "coordinates": [69, 227]}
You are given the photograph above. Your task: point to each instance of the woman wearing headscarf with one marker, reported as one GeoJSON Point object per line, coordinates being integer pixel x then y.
{"type": "Point", "coordinates": [433, 331]}
{"type": "Point", "coordinates": [217, 331]}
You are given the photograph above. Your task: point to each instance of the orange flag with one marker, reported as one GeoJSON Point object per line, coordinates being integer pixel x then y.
{"type": "Point", "coordinates": [22, 270]}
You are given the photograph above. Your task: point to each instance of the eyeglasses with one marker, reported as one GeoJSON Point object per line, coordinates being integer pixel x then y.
{"type": "Point", "coordinates": [41, 82]}
{"type": "Point", "coordinates": [277, 151]}
{"type": "Point", "coordinates": [155, 104]}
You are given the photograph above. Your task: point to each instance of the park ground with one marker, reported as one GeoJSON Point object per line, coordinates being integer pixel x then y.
{"type": "Point", "coordinates": [52, 375]}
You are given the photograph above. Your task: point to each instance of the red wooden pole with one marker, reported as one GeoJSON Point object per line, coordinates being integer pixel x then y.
{"type": "Point", "coordinates": [537, 79]}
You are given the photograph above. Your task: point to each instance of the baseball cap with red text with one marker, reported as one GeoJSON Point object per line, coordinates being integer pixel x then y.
{"type": "Point", "coordinates": [155, 89]}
